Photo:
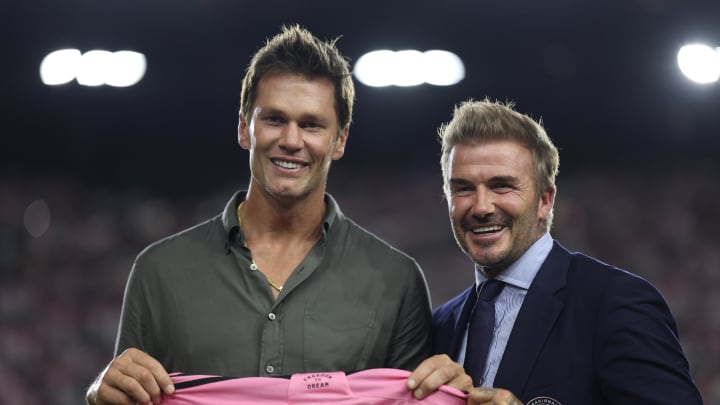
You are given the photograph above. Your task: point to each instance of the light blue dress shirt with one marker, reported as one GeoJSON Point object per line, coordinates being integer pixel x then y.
{"type": "Point", "coordinates": [517, 278]}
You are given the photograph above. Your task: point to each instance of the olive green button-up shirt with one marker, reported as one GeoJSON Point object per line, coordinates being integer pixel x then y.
{"type": "Point", "coordinates": [193, 302]}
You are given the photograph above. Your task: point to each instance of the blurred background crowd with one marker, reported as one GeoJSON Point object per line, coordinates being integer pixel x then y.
{"type": "Point", "coordinates": [66, 248]}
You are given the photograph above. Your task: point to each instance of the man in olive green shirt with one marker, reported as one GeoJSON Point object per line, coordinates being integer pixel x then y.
{"type": "Point", "coordinates": [196, 303]}
{"type": "Point", "coordinates": [281, 282]}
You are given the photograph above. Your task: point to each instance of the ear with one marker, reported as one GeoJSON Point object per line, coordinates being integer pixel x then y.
{"type": "Point", "coordinates": [547, 200]}
{"type": "Point", "coordinates": [340, 144]}
{"type": "Point", "coordinates": [243, 133]}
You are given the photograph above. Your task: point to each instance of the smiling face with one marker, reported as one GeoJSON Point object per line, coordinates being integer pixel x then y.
{"type": "Point", "coordinates": [495, 209]}
{"type": "Point", "coordinates": [293, 135]}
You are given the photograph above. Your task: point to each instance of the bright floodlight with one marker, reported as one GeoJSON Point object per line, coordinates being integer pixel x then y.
{"type": "Point", "coordinates": [93, 68]}
{"type": "Point", "coordinates": [409, 68]}
{"type": "Point", "coordinates": [59, 67]}
{"type": "Point", "coordinates": [371, 68]}
{"type": "Point", "coordinates": [126, 69]}
{"type": "Point", "coordinates": [699, 63]}
{"type": "Point", "coordinates": [443, 68]}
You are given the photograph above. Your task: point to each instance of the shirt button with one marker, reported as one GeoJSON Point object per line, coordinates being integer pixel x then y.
{"type": "Point", "coordinates": [271, 316]}
{"type": "Point", "coordinates": [269, 369]}
{"type": "Point", "coordinates": [253, 267]}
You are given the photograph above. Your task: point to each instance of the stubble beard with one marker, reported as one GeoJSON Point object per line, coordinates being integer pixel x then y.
{"type": "Point", "coordinates": [491, 256]}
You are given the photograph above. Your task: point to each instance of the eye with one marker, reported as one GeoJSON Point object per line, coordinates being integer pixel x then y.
{"type": "Point", "coordinates": [273, 120]}
{"type": "Point", "coordinates": [311, 126]}
{"type": "Point", "coordinates": [502, 187]}
{"type": "Point", "coordinates": [461, 189]}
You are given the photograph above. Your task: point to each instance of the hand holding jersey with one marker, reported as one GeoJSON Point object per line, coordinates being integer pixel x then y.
{"type": "Point", "coordinates": [132, 377]}
{"type": "Point", "coordinates": [436, 371]}
{"type": "Point", "coordinates": [136, 377]}
{"type": "Point", "coordinates": [441, 370]}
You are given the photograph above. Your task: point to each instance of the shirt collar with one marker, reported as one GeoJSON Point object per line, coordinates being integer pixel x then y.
{"type": "Point", "coordinates": [231, 224]}
{"type": "Point", "coordinates": [522, 272]}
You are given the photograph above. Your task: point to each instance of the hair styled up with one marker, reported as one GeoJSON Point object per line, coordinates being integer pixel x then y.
{"type": "Point", "coordinates": [297, 50]}
{"type": "Point", "coordinates": [477, 122]}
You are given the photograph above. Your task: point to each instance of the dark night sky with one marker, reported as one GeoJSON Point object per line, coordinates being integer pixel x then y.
{"type": "Point", "coordinates": [602, 75]}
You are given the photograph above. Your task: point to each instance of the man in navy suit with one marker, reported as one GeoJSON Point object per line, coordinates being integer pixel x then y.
{"type": "Point", "coordinates": [568, 328]}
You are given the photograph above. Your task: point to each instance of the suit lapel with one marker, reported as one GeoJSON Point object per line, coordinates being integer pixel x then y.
{"type": "Point", "coordinates": [536, 318]}
{"type": "Point", "coordinates": [461, 315]}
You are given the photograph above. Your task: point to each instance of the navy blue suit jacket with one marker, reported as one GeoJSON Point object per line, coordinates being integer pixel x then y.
{"type": "Point", "coordinates": [587, 333]}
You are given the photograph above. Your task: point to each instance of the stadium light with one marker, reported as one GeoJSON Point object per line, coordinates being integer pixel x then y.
{"type": "Point", "coordinates": [699, 63]}
{"type": "Point", "coordinates": [93, 68]}
{"type": "Point", "coordinates": [404, 68]}
{"type": "Point", "coordinates": [59, 67]}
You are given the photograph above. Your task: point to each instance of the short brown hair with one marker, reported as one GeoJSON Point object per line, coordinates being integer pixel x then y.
{"type": "Point", "coordinates": [297, 50]}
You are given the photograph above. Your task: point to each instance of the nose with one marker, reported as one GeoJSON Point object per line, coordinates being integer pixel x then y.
{"type": "Point", "coordinates": [291, 137]}
{"type": "Point", "coordinates": [482, 203]}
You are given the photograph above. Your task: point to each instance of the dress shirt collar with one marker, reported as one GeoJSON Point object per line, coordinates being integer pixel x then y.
{"type": "Point", "coordinates": [522, 272]}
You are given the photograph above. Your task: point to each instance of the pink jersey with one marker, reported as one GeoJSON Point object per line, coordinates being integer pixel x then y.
{"type": "Point", "coordinates": [381, 386]}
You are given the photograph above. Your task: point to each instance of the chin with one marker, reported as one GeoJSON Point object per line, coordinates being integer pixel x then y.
{"type": "Point", "coordinates": [487, 258]}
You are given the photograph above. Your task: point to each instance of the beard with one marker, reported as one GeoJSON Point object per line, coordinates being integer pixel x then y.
{"type": "Point", "coordinates": [496, 255]}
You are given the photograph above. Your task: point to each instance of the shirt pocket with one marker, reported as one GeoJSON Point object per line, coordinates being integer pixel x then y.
{"type": "Point", "coordinates": [336, 336]}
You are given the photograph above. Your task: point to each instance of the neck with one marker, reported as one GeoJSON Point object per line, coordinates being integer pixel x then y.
{"type": "Point", "coordinates": [281, 223]}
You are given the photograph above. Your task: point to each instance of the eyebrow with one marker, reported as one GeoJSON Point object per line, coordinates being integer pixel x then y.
{"type": "Point", "coordinates": [504, 179]}
{"type": "Point", "coordinates": [268, 111]}
{"type": "Point", "coordinates": [459, 182]}
{"type": "Point", "coordinates": [494, 179]}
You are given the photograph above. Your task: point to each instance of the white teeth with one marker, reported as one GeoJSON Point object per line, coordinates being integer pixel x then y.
{"type": "Point", "coordinates": [286, 165]}
{"type": "Point", "coordinates": [487, 229]}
